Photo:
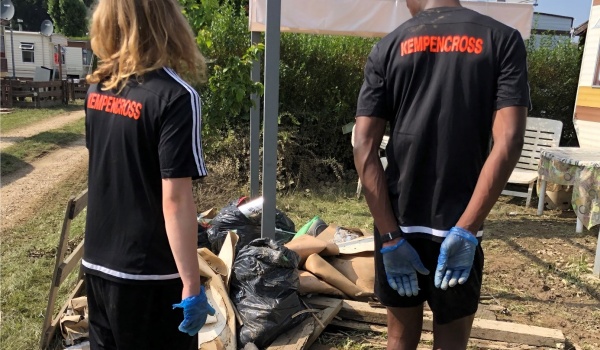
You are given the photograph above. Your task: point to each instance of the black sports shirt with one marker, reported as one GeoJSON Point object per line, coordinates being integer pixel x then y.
{"type": "Point", "coordinates": [438, 79]}
{"type": "Point", "coordinates": [148, 132]}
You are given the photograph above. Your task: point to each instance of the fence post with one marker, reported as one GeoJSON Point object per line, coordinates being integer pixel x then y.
{"type": "Point", "coordinates": [10, 93]}
{"type": "Point", "coordinates": [36, 96]}
{"type": "Point", "coordinates": [65, 91]}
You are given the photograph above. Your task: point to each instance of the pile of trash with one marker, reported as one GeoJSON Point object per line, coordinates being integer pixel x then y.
{"type": "Point", "coordinates": [268, 277]}
{"type": "Point", "coordinates": [257, 285]}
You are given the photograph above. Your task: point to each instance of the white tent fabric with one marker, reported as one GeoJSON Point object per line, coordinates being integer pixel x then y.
{"type": "Point", "coordinates": [371, 18]}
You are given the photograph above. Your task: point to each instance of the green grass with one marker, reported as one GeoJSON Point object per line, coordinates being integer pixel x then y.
{"type": "Point", "coordinates": [21, 117]}
{"type": "Point", "coordinates": [28, 251]}
{"type": "Point", "coordinates": [27, 256]}
{"type": "Point", "coordinates": [337, 206]}
{"type": "Point", "coordinates": [27, 260]}
{"type": "Point", "coordinates": [20, 154]}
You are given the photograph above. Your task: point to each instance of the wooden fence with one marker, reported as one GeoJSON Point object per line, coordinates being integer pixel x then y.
{"type": "Point", "coordinates": [40, 94]}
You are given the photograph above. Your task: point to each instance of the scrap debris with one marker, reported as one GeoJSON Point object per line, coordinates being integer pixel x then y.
{"type": "Point", "coordinates": [324, 274]}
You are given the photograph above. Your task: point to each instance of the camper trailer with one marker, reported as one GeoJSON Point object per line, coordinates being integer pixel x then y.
{"type": "Point", "coordinates": [587, 106]}
{"type": "Point", "coordinates": [32, 51]}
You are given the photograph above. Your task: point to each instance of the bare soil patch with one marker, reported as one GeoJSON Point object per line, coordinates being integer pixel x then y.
{"type": "Point", "coordinates": [11, 137]}
{"type": "Point", "coordinates": [22, 190]}
{"type": "Point", "coordinates": [539, 272]}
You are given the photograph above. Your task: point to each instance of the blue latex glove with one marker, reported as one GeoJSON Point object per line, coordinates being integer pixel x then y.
{"type": "Point", "coordinates": [195, 311]}
{"type": "Point", "coordinates": [401, 263]}
{"type": "Point", "coordinates": [455, 259]}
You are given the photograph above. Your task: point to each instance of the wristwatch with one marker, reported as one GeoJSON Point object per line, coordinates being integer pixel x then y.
{"type": "Point", "coordinates": [390, 236]}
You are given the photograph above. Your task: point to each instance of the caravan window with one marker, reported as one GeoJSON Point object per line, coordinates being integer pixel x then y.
{"type": "Point", "coordinates": [27, 52]}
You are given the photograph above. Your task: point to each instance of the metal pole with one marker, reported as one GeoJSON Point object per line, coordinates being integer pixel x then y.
{"type": "Point", "coordinates": [254, 124]}
{"type": "Point", "coordinates": [12, 51]}
{"type": "Point", "coordinates": [60, 62]}
{"type": "Point", "coordinates": [271, 112]}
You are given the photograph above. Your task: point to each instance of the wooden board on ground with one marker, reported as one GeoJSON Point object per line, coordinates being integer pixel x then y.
{"type": "Point", "coordinates": [427, 336]}
{"type": "Point", "coordinates": [482, 329]}
{"type": "Point", "coordinates": [296, 338]}
{"type": "Point", "coordinates": [305, 334]}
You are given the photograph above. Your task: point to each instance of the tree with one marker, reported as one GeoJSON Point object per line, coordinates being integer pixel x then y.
{"type": "Point", "coordinates": [32, 12]}
{"type": "Point", "coordinates": [69, 16]}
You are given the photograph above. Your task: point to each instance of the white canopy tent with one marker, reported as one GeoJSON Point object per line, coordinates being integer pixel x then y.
{"type": "Point", "coordinates": [366, 18]}
{"type": "Point", "coordinates": [371, 18]}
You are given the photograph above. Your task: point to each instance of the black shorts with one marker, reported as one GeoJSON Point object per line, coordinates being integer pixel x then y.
{"type": "Point", "coordinates": [135, 316]}
{"type": "Point", "coordinates": [447, 305]}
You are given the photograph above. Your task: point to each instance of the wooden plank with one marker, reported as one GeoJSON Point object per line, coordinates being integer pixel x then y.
{"type": "Point", "coordinates": [589, 114]}
{"type": "Point", "coordinates": [516, 333]}
{"type": "Point", "coordinates": [321, 302]}
{"type": "Point", "coordinates": [359, 326]}
{"type": "Point", "coordinates": [295, 338]}
{"type": "Point", "coordinates": [355, 310]}
{"type": "Point", "coordinates": [69, 264]}
{"type": "Point", "coordinates": [48, 94]}
{"type": "Point", "coordinates": [427, 336]}
{"type": "Point", "coordinates": [588, 96]}
{"type": "Point", "coordinates": [45, 104]}
{"type": "Point", "coordinates": [325, 316]}
{"type": "Point", "coordinates": [49, 329]}
{"type": "Point", "coordinates": [305, 334]}
{"type": "Point", "coordinates": [80, 204]}
{"type": "Point", "coordinates": [482, 329]}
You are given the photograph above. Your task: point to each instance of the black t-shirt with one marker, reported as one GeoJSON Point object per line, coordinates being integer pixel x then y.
{"type": "Point", "coordinates": [438, 79]}
{"type": "Point", "coordinates": [147, 132]}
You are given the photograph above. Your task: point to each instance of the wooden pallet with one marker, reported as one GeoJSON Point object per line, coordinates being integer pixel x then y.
{"type": "Point", "coordinates": [62, 269]}
{"type": "Point", "coordinates": [362, 316]}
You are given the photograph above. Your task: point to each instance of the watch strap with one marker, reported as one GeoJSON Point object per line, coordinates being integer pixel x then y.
{"type": "Point", "coordinates": [390, 236]}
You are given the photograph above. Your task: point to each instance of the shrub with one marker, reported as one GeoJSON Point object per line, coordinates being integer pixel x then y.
{"type": "Point", "coordinates": [553, 77]}
{"type": "Point", "coordinates": [320, 77]}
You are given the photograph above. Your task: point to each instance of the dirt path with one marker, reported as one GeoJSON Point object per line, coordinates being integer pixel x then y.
{"type": "Point", "coordinates": [11, 137]}
{"type": "Point", "coordinates": [21, 190]}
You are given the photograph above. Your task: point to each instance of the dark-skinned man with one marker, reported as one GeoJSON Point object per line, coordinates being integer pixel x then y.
{"type": "Point", "coordinates": [447, 81]}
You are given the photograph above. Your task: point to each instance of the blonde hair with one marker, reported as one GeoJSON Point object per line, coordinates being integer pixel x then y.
{"type": "Point", "coordinates": [132, 37]}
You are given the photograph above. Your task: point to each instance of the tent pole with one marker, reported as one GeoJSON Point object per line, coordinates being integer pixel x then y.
{"type": "Point", "coordinates": [254, 123]}
{"type": "Point", "coordinates": [271, 111]}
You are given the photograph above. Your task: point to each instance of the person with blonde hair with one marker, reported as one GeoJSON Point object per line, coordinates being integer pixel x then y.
{"type": "Point", "coordinates": [143, 134]}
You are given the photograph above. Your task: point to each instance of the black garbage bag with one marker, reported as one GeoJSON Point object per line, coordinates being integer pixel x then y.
{"type": "Point", "coordinates": [203, 241]}
{"type": "Point", "coordinates": [231, 218]}
{"type": "Point", "coordinates": [264, 289]}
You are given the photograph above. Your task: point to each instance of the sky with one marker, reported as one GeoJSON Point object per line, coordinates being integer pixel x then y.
{"type": "Point", "coordinates": [578, 9]}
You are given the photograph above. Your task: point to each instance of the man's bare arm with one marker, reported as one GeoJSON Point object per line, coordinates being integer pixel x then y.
{"type": "Point", "coordinates": [368, 134]}
{"type": "Point", "coordinates": [508, 133]}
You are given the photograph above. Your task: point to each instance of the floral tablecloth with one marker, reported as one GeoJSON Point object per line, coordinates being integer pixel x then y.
{"type": "Point", "coordinates": [579, 168]}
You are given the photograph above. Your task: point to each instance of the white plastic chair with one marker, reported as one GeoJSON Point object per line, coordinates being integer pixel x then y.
{"type": "Point", "coordinates": [384, 161]}
{"type": "Point", "coordinates": [539, 133]}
